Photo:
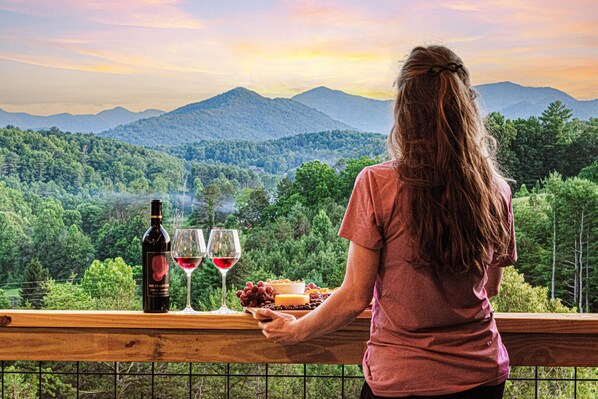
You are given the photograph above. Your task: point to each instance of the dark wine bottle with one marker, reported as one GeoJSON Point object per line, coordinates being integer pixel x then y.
{"type": "Point", "coordinates": [156, 270]}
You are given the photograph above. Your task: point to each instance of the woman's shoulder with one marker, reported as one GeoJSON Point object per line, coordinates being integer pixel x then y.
{"type": "Point", "coordinates": [503, 186]}
{"type": "Point", "coordinates": [382, 176]}
{"type": "Point", "coordinates": [381, 169]}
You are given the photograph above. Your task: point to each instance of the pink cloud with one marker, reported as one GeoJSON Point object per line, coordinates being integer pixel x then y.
{"type": "Point", "coordinates": [136, 13]}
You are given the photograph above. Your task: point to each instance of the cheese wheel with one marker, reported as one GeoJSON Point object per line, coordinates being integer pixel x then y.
{"type": "Point", "coordinates": [291, 299]}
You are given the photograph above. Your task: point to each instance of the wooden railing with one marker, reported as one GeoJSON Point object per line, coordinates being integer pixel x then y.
{"type": "Point", "coordinates": [531, 339]}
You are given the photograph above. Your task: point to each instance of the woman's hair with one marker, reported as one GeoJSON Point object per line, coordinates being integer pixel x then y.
{"type": "Point", "coordinates": [439, 144]}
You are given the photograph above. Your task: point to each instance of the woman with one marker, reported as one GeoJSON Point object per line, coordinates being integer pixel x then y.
{"type": "Point", "coordinates": [430, 232]}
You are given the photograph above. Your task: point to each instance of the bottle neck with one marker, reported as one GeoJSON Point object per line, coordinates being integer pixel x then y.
{"type": "Point", "coordinates": [156, 221]}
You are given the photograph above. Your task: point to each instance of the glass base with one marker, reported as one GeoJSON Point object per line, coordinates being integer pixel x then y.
{"type": "Point", "coordinates": [189, 310]}
{"type": "Point", "coordinates": [225, 310]}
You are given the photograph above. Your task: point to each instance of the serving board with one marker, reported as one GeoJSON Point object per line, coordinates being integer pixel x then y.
{"type": "Point", "coordinates": [257, 316]}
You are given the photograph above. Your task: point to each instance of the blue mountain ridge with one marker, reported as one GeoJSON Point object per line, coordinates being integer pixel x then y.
{"type": "Point", "coordinates": [86, 123]}
{"type": "Point", "coordinates": [242, 114]}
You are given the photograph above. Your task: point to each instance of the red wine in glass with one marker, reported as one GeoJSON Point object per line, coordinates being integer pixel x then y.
{"type": "Point", "coordinates": [188, 263]}
{"type": "Point", "coordinates": [188, 250]}
{"type": "Point", "coordinates": [224, 263]}
{"type": "Point", "coordinates": [224, 248]}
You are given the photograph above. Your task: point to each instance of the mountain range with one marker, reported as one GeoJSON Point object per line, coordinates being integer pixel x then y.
{"type": "Point", "coordinates": [238, 114]}
{"type": "Point", "coordinates": [87, 123]}
{"type": "Point", "coordinates": [515, 101]}
{"type": "Point", "coordinates": [241, 114]}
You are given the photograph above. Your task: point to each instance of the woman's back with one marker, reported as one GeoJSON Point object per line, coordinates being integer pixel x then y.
{"type": "Point", "coordinates": [427, 323]}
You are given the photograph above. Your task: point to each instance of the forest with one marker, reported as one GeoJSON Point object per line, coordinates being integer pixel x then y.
{"type": "Point", "coordinates": [75, 206]}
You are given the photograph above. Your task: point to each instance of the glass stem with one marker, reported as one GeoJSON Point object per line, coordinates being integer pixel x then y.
{"type": "Point", "coordinates": [188, 290]}
{"type": "Point", "coordinates": [223, 289]}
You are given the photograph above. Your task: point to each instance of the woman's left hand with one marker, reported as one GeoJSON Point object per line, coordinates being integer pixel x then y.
{"type": "Point", "coordinates": [281, 328]}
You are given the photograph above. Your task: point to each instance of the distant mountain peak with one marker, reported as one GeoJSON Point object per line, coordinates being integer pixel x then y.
{"type": "Point", "coordinates": [322, 88]}
{"type": "Point", "coordinates": [509, 88]}
{"type": "Point", "coordinates": [241, 91]}
{"type": "Point", "coordinates": [364, 113]}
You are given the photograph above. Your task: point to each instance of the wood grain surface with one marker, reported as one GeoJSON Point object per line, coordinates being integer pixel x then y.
{"type": "Point", "coordinates": [531, 339]}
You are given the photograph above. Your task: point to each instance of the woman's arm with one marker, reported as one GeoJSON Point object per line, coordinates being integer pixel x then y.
{"type": "Point", "coordinates": [494, 278]}
{"type": "Point", "coordinates": [342, 307]}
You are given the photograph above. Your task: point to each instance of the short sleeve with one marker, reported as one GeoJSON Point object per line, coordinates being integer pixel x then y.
{"type": "Point", "coordinates": [362, 222]}
{"type": "Point", "coordinates": [511, 256]}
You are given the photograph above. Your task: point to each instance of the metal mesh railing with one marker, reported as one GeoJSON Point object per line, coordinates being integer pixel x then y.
{"type": "Point", "coordinates": [35, 380]}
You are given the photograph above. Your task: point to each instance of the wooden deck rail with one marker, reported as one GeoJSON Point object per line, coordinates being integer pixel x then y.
{"type": "Point", "coordinates": [531, 339]}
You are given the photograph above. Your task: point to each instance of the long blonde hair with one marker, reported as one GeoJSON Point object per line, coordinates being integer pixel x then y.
{"type": "Point", "coordinates": [450, 177]}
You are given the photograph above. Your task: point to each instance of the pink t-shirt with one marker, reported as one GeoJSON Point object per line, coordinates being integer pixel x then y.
{"type": "Point", "coordinates": [431, 333]}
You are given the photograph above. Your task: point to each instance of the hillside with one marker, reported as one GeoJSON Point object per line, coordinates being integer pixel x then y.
{"type": "Point", "coordinates": [76, 123]}
{"type": "Point", "coordinates": [516, 101]}
{"type": "Point", "coordinates": [56, 162]}
{"type": "Point", "coordinates": [364, 113]}
{"type": "Point", "coordinates": [238, 114]}
{"type": "Point", "coordinates": [282, 155]}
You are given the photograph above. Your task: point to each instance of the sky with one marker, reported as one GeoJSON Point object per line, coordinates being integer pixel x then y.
{"type": "Point", "coordinates": [84, 56]}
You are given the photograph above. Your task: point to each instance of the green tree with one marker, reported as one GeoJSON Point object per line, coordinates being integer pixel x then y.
{"type": "Point", "coordinates": [110, 283]}
{"type": "Point", "coordinates": [48, 235]}
{"type": "Point", "coordinates": [67, 296]}
{"type": "Point", "coordinates": [210, 198]}
{"type": "Point", "coordinates": [77, 250]}
{"type": "Point", "coordinates": [505, 134]}
{"type": "Point", "coordinates": [314, 182]}
{"type": "Point", "coordinates": [4, 302]}
{"type": "Point", "coordinates": [251, 212]}
{"type": "Point", "coordinates": [348, 175]}
{"type": "Point", "coordinates": [15, 244]}
{"type": "Point", "coordinates": [33, 288]}
{"type": "Point", "coordinates": [532, 148]}
{"type": "Point", "coordinates": [555, 120]}
{"type": "Point", "coordinates": [582, 150]}
{"type": "Point", "coordinates": [516, 295]}
{"type": "Point", "coordinates": [17, 385]}
{"type": "Point", "coordinates": [590, 172]}
{"type": "Point", "coordinates": [120, 237]}
{"type": "Point", "coordinates": [577, 206]}
{"type": "Point", "coordinates": [322, 227]}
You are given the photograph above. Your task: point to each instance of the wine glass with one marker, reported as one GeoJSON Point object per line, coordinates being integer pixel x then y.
{"type": "Point", "coordinates": [188, 250]}
{"type": "Point", "coordinates": [225, 250]}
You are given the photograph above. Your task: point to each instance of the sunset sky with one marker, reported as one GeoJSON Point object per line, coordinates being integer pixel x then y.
{"type": "Point", "coordinates": [84, 56]}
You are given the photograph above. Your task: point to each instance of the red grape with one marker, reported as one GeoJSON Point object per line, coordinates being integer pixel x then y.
{"type": "Point", "coordinates": [256, 294]}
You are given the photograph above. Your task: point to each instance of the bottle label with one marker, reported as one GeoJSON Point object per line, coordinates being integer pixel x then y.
{"type": "Point", "coordinates": [158, 277]}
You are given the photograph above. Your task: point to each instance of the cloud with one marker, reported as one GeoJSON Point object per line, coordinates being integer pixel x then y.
{"type": "Point", "coordinates": [190, 50]}
{"type": "Point", "coordinates": [165, 14]}
{"type": "Point", "coordinates": [62, 63]}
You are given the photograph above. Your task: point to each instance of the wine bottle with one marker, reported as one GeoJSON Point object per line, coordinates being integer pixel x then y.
{"type": "Point", "coordinates": [156, 270]}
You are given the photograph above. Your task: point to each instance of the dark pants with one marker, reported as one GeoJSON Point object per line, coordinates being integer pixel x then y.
{"type": "Point", "coordinates": [493, 392]}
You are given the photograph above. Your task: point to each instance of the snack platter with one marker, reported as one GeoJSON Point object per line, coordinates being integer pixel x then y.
{"type": "Point", "coordinates": [293, 297]}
